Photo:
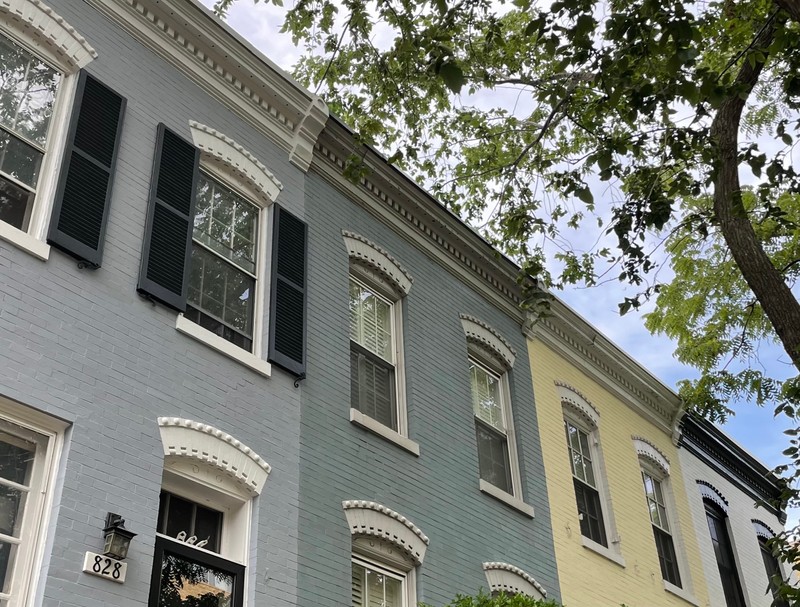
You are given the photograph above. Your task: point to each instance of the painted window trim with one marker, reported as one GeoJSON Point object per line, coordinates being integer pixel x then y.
{"type": "Point", "coordinates": [27, 569]}
{"type": "Point", "coordinates": [388, 280]}
{"type": "Point", "coordinates": [230, 163]}
{"type": "Point", "coordinates": [506, 498]}
{"type": "Point", "coordinates": [657, 470]}
{"type": "Point", "coordinates": [488, 349]}
{"type": "Point", "coordinates": [244, 471]}
{"type": "Point", "coordinates": [223, 346]}
{"type": "Point", "coordinates": [374, 426]}
{"type": "Point", "coordinates": [366, 518]}
{"type": "Point", "coordinates": [606, 553]}
{"type": "Point", "coordinates": [503, 577]}
{"type": "Point", "coordinates": [45, 35]}
{"type": "Point", "coordinates": [682, 593]}
{"type": "Point", "coordinates": [577, 409]}
{"type": "Point", "coordinates": [381, 267]}
{"type": "Point", "coordinates": [37, 24]}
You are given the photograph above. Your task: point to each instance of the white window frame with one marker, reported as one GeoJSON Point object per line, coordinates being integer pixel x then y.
{"type": "Point", "coordinates": [658, 474]}
{"type": "Point", "coordinates": [578, 411]}
{"type": "Point", "coordinates": [407, 578]}
{"type": "Point", "coordinates": [225, 161]}
{"type": "Point", "coordinates": [32, 240]}
{"type": "Point", "coordinates": [49, 434]}
{"type": "Point", "coordinates": [490, 351]}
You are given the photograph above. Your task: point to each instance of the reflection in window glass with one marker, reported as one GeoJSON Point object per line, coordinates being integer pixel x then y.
{"type": "Point", "coordinates": [375, 588]}
{"type": "Point", "coordinates": [222, 280]}
{"type": "Point", "coordinates": [187, 583]}
{"type": "Point", "coordinates": [27, 93]}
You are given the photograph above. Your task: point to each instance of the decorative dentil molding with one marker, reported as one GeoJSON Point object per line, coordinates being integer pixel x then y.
{"type": "Point", "coordinates": [503, 577]}
{"type": "Point", "coordinates": [485, 336]}
{"type": "Point", "coordinates": [762, 529]}
{"type": "Point", "coordinates": [228, 68]}
{"type": "Point", "coordinates": [578, 404]}
{"type": "Point", "coordinates": [363, 250]}
{"type": "Point", "coordinates": [250, 174]}
{"type": "Point", "coordinates": [207, 444]}
{"type": "Point", "coordinates": [370, 518]}
{"type": "Point", "coordinates": [654, 455]}
{"type": "Point", "coordinates": [710, 492]}
{"type": "Point", "coordinates": [39, 25]}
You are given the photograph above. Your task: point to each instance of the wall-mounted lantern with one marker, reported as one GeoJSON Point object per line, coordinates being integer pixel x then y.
{"type": "Point", "coordinates": [118, 539]}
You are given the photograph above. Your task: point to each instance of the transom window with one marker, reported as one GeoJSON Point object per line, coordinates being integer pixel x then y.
{"type": "Point", "coordinates": [372, 355]}
{"type": "Point", "coordinates": [665, 547]}
{"type": "Point", "coordinates": [178, 516]}
{"type": "Point", "coordinates": [489, 404]}
{"type": "Point", "coordinates": [27, 95]}
{"type": "Point", "coordinates": [375, 586]}
{"type": "Point", "coordinates": [224, 264]}
{"type": "Point", "coordinates": [585, 483]}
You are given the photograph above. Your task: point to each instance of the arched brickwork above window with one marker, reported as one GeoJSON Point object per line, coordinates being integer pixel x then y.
{"type": "Point", "coordinates": [370, 519]}
{"type": "Point", "coordinates": [503, 577]}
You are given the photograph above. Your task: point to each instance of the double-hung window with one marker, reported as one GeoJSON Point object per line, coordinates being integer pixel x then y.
{"type": "Point", "coordinates": [224, 263]}
{"type": "Point", "coordinates": [773, 569]}
{"type": "Point", "coordinates": [491, 408]}
{"type": "Point", "coordinates": [723, 551]}
{"type": "Point", "coordinates": [656, 503]}
{"type": "Point", "coordinates": [28, 90]}
{"type": "Point", "coordinates": [584, 480]}
{"type": "Point", "coordinates": [377, 586]}
{"type": "Point", "coordinates": [373, 368]}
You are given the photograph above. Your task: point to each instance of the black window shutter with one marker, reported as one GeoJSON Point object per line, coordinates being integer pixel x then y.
{"type": "Point", "coordinates": [83, 195]}
{"type": "Point", "coordinates": [167, 246]}
{"type": "Point", "coordinates": [287, 318]}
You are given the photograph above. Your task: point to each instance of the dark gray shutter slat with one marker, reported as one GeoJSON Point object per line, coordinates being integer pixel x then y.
{"type": "Point", "coordinates": [83, 194]}
{"type": "Point", "coordinates": [167, 246]}
{"type": "Point", "coordinates": [287, 319]}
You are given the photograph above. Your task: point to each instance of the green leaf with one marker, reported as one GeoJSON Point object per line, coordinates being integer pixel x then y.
{"type": "Point", "coordinates": [452, 75]}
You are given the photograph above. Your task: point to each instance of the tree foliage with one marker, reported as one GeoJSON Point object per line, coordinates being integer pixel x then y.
{"type": "Point", "coordinates": [499, 600]}
{"type": "Point", "coordinates": [583, 131]}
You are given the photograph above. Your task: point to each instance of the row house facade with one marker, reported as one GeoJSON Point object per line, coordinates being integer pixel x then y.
{"type": "Point", "coordinates": [294, 388]}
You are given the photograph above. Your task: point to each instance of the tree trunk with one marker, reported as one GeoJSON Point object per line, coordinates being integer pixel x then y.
{"type": "Point", "coordinates": [766, 282]}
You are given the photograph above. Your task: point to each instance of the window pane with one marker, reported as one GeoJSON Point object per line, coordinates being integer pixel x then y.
{"type": "Point", "coordinates": [27, 91]}
{"type": "Point", "coordinates": [178, 516]}
{"type": "Point", "coordinates": [590, 511]}
{"type": "Point", "coordinates": [12, 504]}
{"type": "Point", "coordinates": [14, 204]}
{"type": "Point", "coordinates": [8, 554]}
{"type": "Point", "coordinates": [192, 584]}
{"type": "Point", "coordinates": [226, 223]}
{"type": "Point", "coordinates": [486, 399]}
{"type": "Point", "coordinates": [220, 290]}
{"type": "Point", "coordinates": [16, 458]}
{"type": "Point", "coordinates": [493, 457]}
{"type": "Point", "coordinates": [19, 160]}
{"type": "Point", "coordinates": [666, 557]}
{"type": "Point", "coordinates": [207, 527]}
{"type": "Point", "coordinates": [372, 385]}
{"type": "Point", "coordinates": [382, 590]}
{"type": "Point", "coordinates": [370, 321]}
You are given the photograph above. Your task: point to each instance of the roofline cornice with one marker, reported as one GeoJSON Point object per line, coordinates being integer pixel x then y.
{"type": "Point", "coordinates": [229, 69]}
{"type": "Point", "coordinates": [395, 199]}
{"type": "Point", "coordinates": [574, 338]}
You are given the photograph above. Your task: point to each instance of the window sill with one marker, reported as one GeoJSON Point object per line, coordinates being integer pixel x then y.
{"type": "Point", "coordinates": [24, 241]}
{"type": "Point", "coordinates": [508, 499]}
{"type": "Point", "coordinates": [215, 342]}
{"type": "Point", "coordinates": [366, 422]}
{"type": "Point", "coordinates": [603, 551]}
{"type": "Point", "coordinates": [681, 593]}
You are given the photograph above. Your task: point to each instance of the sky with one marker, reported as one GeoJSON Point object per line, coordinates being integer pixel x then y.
{"type": "Point", "coordinates": [752, 427]}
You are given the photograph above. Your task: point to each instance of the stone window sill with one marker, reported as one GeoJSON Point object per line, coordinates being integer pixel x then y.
{"type": "Point", "coordinates": [603, 551]}
{"type": "Point", "coordinates": [24, 241]}
{"type": "Point", "coordinates": [374, 426]}
{"type": "Point", "coordinates": [224, 347]}
{"type": "Point", "coordinates": [681, 592]}
{"type": "Point", "coordinates": [508, 499]}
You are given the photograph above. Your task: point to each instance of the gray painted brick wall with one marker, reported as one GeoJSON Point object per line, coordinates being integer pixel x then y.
{"type": "Point", "coordinates": [439, 490]}
{"type": "Point", "coordinates": [84, 346]}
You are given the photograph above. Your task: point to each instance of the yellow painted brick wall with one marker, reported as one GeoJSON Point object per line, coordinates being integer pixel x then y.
{"type": "Point", "coordinates": [588, 579]}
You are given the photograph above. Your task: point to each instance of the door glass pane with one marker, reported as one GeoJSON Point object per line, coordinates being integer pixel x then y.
{"type": "Point", "coordinates": [187, 583]}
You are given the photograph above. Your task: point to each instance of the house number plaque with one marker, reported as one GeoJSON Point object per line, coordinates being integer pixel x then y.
{"type": "Point", "coordinates": [105, 567]}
